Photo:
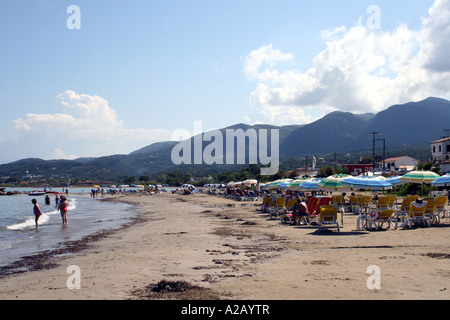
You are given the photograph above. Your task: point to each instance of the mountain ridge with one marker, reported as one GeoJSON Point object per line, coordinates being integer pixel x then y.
{"type": "Point", "coordinates": [409, 124]}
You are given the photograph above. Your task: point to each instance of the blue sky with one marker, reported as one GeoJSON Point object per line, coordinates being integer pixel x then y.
{"type": "Point", "coordinates": [138, 70]}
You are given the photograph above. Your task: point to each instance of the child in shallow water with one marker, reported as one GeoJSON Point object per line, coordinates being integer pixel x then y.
{"type": "Point", "coordinates": [37, 212]}
{"type": "Point", "coordinates": [63, 209]}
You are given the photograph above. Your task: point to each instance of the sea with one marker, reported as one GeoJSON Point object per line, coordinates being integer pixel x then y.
{"type": "Point", "coordinates": [85, 216]}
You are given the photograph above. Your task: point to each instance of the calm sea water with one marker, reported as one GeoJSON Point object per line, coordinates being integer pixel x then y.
{"type": "Point", "coordinates": [86, 215]}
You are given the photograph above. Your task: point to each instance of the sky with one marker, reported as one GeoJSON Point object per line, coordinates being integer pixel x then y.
{"type": "Point", "coordinates": [95, 78]}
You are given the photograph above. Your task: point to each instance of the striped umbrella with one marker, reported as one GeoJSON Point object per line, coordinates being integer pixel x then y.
{"type": "Point", "coordinates": [394, 180]}
{"type": "Point", "coordinates": [442, 181]}
{"type": "Point", "coordinates": [419, 176]}
{"type": "Point", "coordinates": [368, 183]}
{"type": "Point", "coordinates": [294, 184]}
{"type": "Point", "coordinates": [333, 183]}
{"type": "Point", "coordinates": [275, 184]}
{"type": "Point", "coordinates": [311, 184]}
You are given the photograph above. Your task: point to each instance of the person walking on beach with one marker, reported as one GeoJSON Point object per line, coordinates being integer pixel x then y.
{"type": "Point", "coordinates": [37, 212]}
{"type": "Point", "coordinates": [63, 209]}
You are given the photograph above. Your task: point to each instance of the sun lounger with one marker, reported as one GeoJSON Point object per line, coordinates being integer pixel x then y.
{"type": "Point", "coordinates": [441, 202]}
{"type": "Point", "coordinates": [379, 217]}
{"type": "Point", "coordinates": [430, 210]}
{"type": "Point", "coordinates": [328, 217]}
{"type": "Point", "coordinates": [417, 215]}
{"type": "Point", "coordinates": [278, 208]}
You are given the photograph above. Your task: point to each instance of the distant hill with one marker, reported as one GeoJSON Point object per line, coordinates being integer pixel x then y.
{"type": "Point", "coordinates": [337, 131]}
{"type": "Point", "coordinates": [158, 146]}
{"type": "Point", "coordinates": [412, 125]}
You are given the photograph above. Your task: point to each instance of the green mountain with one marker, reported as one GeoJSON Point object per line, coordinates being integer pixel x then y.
{"type": "Point", "coordinates": [336, 132]}
{"type": "Point", "coordinates": [413, 123]}
{"type": "Point", "coordinates": [411, 126]}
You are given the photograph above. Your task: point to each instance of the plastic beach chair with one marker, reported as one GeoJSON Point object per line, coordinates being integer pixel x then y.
{"type": "Point", "coordinates": [441, 202]}
{"type": "Point", "coordinates": [417, 215]}
{"type": "Point", "coordinates": [328, 217]}
{"type": "Point", "coordinates": [378, 218]}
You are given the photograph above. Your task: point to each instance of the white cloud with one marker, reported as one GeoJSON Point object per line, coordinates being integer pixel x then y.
{"type": "Point", "coordinates": [264, 56]}
{"type": "Point", "coordinates": [361, 70]}
{"type": "Point", "coordinates": [83, 126]}
{"type": "Point", "coordinates": [333, 34]}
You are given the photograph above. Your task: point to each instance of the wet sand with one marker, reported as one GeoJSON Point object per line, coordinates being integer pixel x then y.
{"type": "Point", "coordinates": [205, 247]}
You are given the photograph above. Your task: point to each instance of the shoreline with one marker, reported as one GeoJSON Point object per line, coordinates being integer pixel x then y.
{"type": "Point", "coordinates": [224, 249]}
{"type": "Point", "coordinates": [40, 261]}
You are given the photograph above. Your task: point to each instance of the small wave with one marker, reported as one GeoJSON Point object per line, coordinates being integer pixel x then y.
{"type": "Point", "coordinates": [45, 217]}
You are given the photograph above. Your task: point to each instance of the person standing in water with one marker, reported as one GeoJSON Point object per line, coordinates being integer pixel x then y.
{"type": "Point", "coordinates": [37, 212]}
{"type": "Point", "coordinates": [63, 208]}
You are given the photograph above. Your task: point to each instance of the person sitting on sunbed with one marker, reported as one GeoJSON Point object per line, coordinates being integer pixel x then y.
{"type": "Point", "coordinates": [299, 210]}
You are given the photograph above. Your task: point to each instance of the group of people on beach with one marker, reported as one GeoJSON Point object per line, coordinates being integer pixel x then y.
{"type": "Point", "coordinates": [61, 204]}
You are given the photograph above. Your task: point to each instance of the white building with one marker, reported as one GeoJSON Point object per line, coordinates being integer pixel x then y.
{"type": "Point", "coordinates": [402, 164]}
{"type": "Point", "coordinates": [440, 152]}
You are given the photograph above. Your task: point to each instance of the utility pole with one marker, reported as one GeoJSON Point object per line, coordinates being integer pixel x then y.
{"type": "Point", "coordinates": [335, 161]}
{"type": "Point", "coordinates": [306, 165]}
{"type": "Point", "coordinates": [373, 149]}
{"type": "Point", "coordinates": [384, 153]}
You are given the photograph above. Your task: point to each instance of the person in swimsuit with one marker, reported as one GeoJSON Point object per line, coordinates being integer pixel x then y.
{"type": "Point", "coordinates": [299, 210]}
{"type": "Point", "coordinates": [63, 209]}
{"type": "Point", "coordinates": [37, 212]}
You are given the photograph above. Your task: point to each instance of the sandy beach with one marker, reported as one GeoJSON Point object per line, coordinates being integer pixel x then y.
{"type": "Point", "coordinates": [224, 249]}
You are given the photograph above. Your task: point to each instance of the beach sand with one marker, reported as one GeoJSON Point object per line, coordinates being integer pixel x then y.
{"type": "Point", "coordinates": [224, 249]}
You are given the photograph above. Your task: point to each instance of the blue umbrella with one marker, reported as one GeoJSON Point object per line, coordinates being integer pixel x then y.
{"type": "Point", "coordinates": [311, 184]}
{"type": "Point", "coordinates": [367, 183]}
{"type": "Point", "coordinates": [394, 180]}
{"type": "Point", "coordinates": [442, 181]}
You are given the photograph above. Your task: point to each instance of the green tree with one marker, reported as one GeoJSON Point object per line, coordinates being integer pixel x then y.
{"type": "Point", "coordinates": [129, 180]}
{"type": "Point", "coordinates": [326, 172]}
{"type": "Point", "coordinates": [162, 178]}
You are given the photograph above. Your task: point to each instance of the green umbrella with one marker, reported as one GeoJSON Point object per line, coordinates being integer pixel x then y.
{"type": "Point", "coordinates": [275, 184]}
{"type": "Point", "coordinates": [419, 176]}
{"type": "Point", "coordinates": [333, 183]}
{"type": "Point", "coordinates": [294, 184]}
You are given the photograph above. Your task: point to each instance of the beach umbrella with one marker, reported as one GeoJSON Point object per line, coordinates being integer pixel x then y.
{"type": "Point", "coordinates": [367, 183]}
{"type": "Point", "coordinates": [395, 181]}
{"type": "Point", "coordinates": [250, 182]}
{"type": "Point", "coordinates": [311, 184]}
{"type": "Point", "coordinates": [442, 181]}
{"type": "Point", "coordinates": [419, 176]}
{"type": "Point", "coordinates": [294, 184]}
{"type": "Point", "coordinates": [333, 183]}
{"type": "Point", "coordinates": [275, 184]}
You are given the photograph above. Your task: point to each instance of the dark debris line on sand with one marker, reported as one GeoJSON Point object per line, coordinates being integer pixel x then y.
{"type": "Point", "coordinates": [47, 259]}
{"type": "Point", "coordinates": [179, 290]}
